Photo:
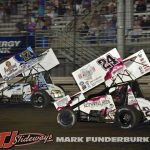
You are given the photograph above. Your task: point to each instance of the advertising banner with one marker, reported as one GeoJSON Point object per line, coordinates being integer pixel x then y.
{"type": "Point", "coordinates": [15, 44]}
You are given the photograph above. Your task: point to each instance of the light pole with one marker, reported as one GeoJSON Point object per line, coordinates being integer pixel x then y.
{"type": "Point", "coordinates": [121, 27]}
{"type": "Point", "coordinates": [74, 34]}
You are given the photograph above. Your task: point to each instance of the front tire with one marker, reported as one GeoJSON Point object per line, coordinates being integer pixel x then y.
{"type": "Point", "coordinates": [127, 117]}
{"type": "Point", "coordinates": [66, 118]}
{"type": "Point", "coordinates": [40, 99]}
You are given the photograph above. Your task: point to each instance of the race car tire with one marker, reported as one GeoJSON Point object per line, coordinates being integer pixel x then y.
{"type": "Point", "coordinates": [127, 117]}
{"type": "Point", "coordinates": [40, 99]}
{"type": "Point", "coordinates": [66, 118]}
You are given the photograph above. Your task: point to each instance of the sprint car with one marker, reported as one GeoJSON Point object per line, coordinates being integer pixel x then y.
{"type": "Point", "coordinates": [32, 87]}
{"type": "Point", "coordinates": [121, 102]}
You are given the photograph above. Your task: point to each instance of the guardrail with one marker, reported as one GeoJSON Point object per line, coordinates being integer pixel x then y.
{"type": "Point", "coordinates": [70, 87]}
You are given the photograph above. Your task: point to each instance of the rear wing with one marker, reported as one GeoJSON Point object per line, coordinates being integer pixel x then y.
{"type": "Point", "coordinates": [111, 69]}
{"type": "Point", "coordinates": [93, 73]}
{"type": "Point", "coordinates": [27, 63]}
{"type": "Point", "coordinates": [46, 61]}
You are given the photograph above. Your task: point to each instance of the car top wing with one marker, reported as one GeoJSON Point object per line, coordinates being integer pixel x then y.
{"type": "Point", "coordinates": [111, 70]}
{"type": "Point", "coordinates": [93, 73]}
{"type": "Point", "coordinates": [27, 63]}
{"type": "Point", "coordinates": [46, 61]}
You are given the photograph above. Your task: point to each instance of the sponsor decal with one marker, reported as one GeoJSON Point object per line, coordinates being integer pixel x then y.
{"type": "Point", "coordinates": [98, 101]}
{"type": "Point", "coordinates": [86, 73]}
{"type": "Point", "coordinates": [146, 66]}
{"type": "Point", "coordinates": [13, 138]}
{"type": "Point", "coordinates": [9, 68]}
{"type": "Point", "coordinates": [24, 56]}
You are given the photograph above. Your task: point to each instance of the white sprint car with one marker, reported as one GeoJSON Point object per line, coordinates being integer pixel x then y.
{"type": "Point", "coordinates": [32, 87]}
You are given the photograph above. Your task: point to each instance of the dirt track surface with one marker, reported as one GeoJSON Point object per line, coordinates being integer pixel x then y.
{"type": "Point", "coordinates": [25, 119]}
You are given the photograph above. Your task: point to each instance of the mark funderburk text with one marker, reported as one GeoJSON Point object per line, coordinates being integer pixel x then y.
{"type": "Point", "coordinates": [102, 139]}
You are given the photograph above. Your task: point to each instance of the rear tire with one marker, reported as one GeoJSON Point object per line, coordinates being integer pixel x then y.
{"type": "Point", "coordinates": [127, 117]}
{"type": "Point", "coordinates": [66, 118]}
{"type": "Point", "coordinates": [40, 99]}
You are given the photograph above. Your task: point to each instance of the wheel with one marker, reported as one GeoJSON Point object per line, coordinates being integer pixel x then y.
{"type": "Point", "coordinates": [40, 99]}
{"type": "Point", "coordinates": [127, 117]}
{"type": "Point", "coordinates": [66, 118]}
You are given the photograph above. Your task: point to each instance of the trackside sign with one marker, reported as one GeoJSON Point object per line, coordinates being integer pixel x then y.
{"type": "Point", "coordinates": [11, 45]}
{"type": "Point", "coordinates": [10, 139]}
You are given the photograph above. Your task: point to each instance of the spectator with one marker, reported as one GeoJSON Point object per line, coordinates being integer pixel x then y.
{"type": "Point", "coordinates": [103, 34]}
{"type": "Point", "coordinates": [29, 14]}
{"type": "Point", "coordinates": [31, 26]}
{"type": "Point", "coordinates": [61, 9]}
{"type": "Point", "coordinates": [20, 1]}
{"type": "Point", "coordinates": [7, 12]}
{"type": "Point", "coordinates": [50, 15]}
{"type": "Point", "coordinates": [84, 29]}
{"type": "Point", "coordinates": [108, 32]}
{"type": "Point", "coordinates": [78, 6]}
{"type": "Point", "coordinates": [140, 20]}
{"type": "Point", "coordinates": [17, 31]}
{"type": "Point", "coordinates": [14, 7]}
{"type": "Point", "coordinates": [136, 33]}
{"type": "Point", "coordinates": [39, 23]}
{"type": "Point", "coordinates": [20, 25]}
{"type": "Point", "coordinates": [48, 21]}
{"type": "Point", "coordinates": [95, 18]}
{"type": "Point", "coordinates": [112, 6]}
{"type": "Point", "coordinates": [105, 10]}
{"type": "Point", "coordinates": [114, 21]}
{"type": "Point", "coordinates": [41, 8]}
{"type": "Point", "coordinates": [146, 24]}
{"type": "Point", "coordinates": [102, 19]}
{"type": "Point", "coordinates": [111, 31]}
{"type": "Point", "coordinates": [69, 6]}
{"type": "Point", "coordinates": [46, 25]}
{"type": "Point", "coordinates": [92, 33]}
{"type": "Point", "coordinates": [35, 5]}
{"type": "Point", "coordinates": [86, 4]}
{"type": "Point", "coordinates": [53, 4]}
{"type": "Point", "coordinates": [1, 11]}
{"type": "Point", "coordinates": [141, 6]}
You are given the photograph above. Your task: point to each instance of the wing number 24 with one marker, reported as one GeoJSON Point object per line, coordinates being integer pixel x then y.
{"type": "Point", "coordinates": [107, 63]}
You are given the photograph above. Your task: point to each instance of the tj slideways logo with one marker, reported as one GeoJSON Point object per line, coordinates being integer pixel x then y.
{"type": "Point", "coordinates": [14, 138]}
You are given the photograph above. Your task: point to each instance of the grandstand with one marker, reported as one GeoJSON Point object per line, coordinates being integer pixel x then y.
{"type": "Point", "coordinates": [77, 34]}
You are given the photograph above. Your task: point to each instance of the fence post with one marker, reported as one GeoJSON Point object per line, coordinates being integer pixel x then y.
{"type": "Point", "coordinates": [121, 26]}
